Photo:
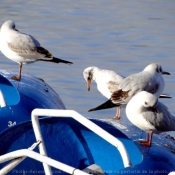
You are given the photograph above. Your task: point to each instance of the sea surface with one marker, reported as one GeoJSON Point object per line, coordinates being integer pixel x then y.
{"type": "Point", "coordinates": [123, 36]}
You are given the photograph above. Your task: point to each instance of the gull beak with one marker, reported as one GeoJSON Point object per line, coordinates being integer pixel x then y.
{"type": "Point", "coordinates": [88, 85]}
{"type": "Point", "coordinates": [16, 30]}
{"type": "Point", "coordinates": [155, 110]}
{"type": "Point", "coordinates": [155, 104]}
{"type": "Point", "coordinates": [166, 73]}
{"type": "Point", "coordinates": [154, 107]}
{"type": "Point", "coordinates": [165, 96]}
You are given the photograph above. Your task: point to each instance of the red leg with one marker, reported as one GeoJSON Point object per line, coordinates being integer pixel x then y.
{"type": "Point", "coordinates": [19, 75]}
{"type": "Point", "coordinates": [148, 140]}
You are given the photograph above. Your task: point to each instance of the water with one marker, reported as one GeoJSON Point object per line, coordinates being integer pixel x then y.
{"type": "Point", "coordinates": [124, 36]}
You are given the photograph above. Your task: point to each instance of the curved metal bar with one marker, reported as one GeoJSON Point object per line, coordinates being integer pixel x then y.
{"type": "Point", "coordinates": [41, 158]}
{"type": "Point", "coordinates": [84, 121]}
{"type": "Point", "coordinates": [16, 161]}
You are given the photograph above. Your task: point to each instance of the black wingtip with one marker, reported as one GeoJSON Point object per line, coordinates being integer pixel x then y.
{"type": "Point", "coordinates": [93, 109]}
{"type": "Point", "coordinates": [108, 104]}
{"type": "Point", "coordinates": [58, 60]}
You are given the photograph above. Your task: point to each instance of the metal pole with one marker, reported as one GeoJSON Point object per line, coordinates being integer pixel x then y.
{"type": "Point", "coordinates": [42, 149]}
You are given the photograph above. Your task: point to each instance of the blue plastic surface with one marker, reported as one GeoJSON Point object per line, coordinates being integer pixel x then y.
{"type": "Point", "coordinates": [10, 93]}
{"type": "Point", "coordinates": [23, 96]}
{"type": "Point", "coordinates": [69, 142]}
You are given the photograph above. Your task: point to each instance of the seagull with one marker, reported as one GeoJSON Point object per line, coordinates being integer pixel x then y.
{"type": "Point", "coordinates": [147, 113]}
{"type": "Point", "coordinates": [150, 80]}
{"type": "Point", "coordinates": [23, 48]}
{"type": "Point", "coordinates": [107, 81]}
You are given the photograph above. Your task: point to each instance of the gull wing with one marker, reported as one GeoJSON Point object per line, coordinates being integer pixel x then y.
{"type": "Point", "coordinates": [133, 84]}
{"type": "Point", "coordinates": [27, 46]}
{"type": "Point", "coordinates": [160, 118]}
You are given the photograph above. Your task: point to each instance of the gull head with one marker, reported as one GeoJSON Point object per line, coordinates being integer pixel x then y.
{"type": "Point", "coordinates": [155, 69]}
{"type": "Point", "coordinates": [143, 99]}
{"type": "Point", "coordinates": [88, 74]}
{"type": "Point", "coordinates": [8, 25]}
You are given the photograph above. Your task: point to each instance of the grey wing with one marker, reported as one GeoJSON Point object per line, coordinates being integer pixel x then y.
{"type": "Point", "coordinates": [125, 90]}
{"type": "Point", "coordinates": [21, 41]}
{"type": "Point", "coordinates": [160, 117]}
{"type": "Point", "coordinates": [129, 82]}
{"type": "Point", "coordinates": [133, 84]}
{"type": "Point", "coordinates": [26, 45]}
{"type": "Point", "coordinates": [139, 82]}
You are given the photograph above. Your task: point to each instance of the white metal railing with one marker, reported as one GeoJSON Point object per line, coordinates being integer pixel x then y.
{"type": "Point", "coordinates": [2, 99]}
{"type": "Point", "coordinates": [41, 158]}
{"type": "Point", "coordinates": [20, 155]}
{"type": "Point", "coordinates": [16, 161]}
{"type": "Point", "coordinates": [84, 121]}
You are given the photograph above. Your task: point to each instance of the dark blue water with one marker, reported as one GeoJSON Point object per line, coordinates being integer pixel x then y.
{"type": "Point", "coordinates": [124, 36]}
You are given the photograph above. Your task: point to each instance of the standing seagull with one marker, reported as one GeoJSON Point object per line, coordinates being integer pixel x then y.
{"type": "Point", "coordinates": [23, 48]}
{"type": "Point", "coordinates": [107, 81]}
{"type": "Point", "coordinates": [150, 80]}
{"type": "Point", "coordinates": [147, 113]}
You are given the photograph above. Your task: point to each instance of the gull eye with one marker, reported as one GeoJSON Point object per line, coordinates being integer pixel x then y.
{"type": "Point", "coordinates": [146, 103]}
{"type": "Point", "coordinates": [90, 76]}
{"type": "Point", "coordinates": [157, 69]}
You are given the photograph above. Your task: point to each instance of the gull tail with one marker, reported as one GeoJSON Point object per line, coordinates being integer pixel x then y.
{"type": "Point", "coordinates": [165, 96]}
{"type": "Point", "coordinates": [46, 54]}
{"type": "Point", "coordinates": [57, 60]}
{"type": "Point", "coordinates": [106, 105]}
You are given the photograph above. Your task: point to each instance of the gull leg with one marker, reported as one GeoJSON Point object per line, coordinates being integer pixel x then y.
{"type": "Point", "coordinates": [117, 117]}
{"type": "Point", "coordinates": [19, 75]}
{"type": "Point", "coordinates": [148, 140]}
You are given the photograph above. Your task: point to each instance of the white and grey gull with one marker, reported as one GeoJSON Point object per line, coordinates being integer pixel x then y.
{"type": "Point", "coordinates": [107, 81]}
{"type": "Point", "coordinates": [23, 48]}
{"type": "Point", "coordinates": [147, 113]}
